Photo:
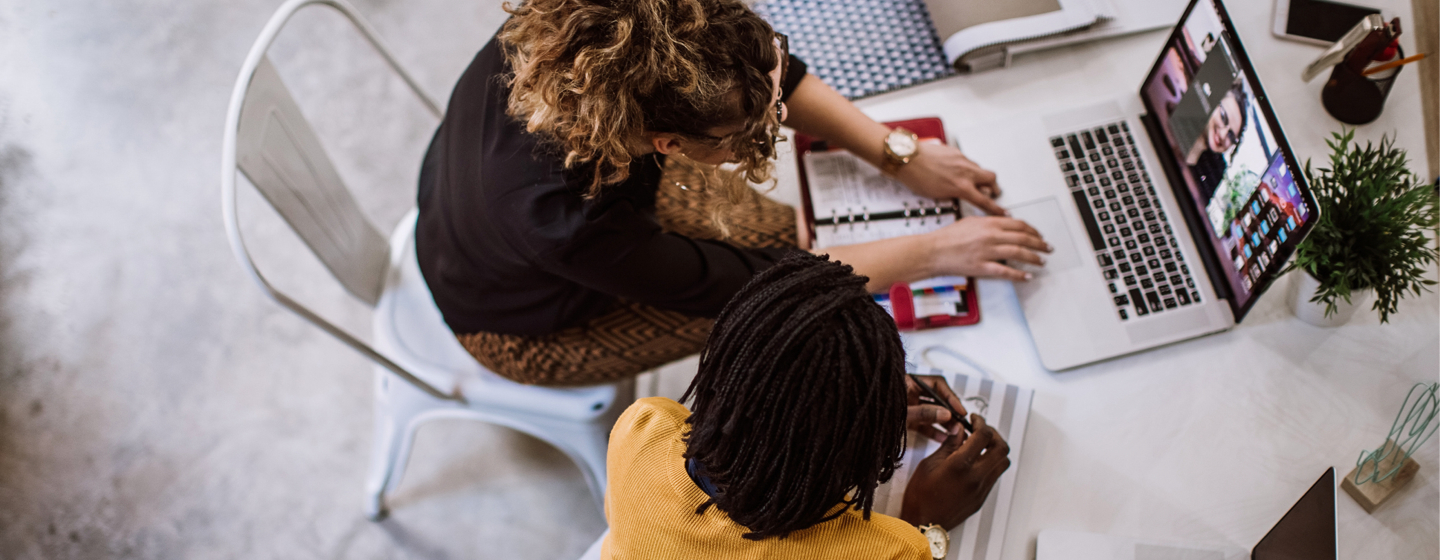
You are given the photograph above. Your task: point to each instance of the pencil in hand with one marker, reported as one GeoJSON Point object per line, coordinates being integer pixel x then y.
{"type": "Point", "coordinates": [930, 394]}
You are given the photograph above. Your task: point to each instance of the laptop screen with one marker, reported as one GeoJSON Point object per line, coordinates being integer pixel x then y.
{"type": "Point", "coordinates": [1227, 154]}
{"type": "Point", "coordinates": [1307, 532]}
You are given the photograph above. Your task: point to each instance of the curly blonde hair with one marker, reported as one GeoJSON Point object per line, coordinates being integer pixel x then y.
{"type": "Point", "coordinates": [594, 76]}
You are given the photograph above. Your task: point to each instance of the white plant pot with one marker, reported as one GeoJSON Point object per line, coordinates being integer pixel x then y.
{"type": "Point", "coordinates": [1302, 289]}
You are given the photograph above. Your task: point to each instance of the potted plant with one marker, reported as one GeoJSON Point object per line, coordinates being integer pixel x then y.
{"type": "Point", "coordinates": [1371, 234]}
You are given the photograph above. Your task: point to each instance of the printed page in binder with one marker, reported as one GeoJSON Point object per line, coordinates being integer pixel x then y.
{"type": "Point", "coordinates": [854, 202]}
{"type": "Point", "coordinates": [846, 201]}
{"type": "Point", "coordinates": [1006, 408]}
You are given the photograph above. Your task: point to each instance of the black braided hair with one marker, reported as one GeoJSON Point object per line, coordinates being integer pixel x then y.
{"type": "Point", "coordinates": [799, 403]}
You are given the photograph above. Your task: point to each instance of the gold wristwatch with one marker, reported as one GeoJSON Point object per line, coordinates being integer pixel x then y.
{"type": "Point", "coordinates": [939, 540]}
{"type": "Point", "coordinates": [900, 147]}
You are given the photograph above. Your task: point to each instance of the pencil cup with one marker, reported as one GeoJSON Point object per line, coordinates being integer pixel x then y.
{"type": "Point", "coordinates": [1354, 98]}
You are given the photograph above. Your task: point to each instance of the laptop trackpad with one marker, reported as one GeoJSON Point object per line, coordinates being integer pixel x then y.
{"type": "Point", "coordinates": [1047, 217]}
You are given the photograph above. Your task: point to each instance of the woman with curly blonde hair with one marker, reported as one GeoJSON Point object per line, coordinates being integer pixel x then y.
{"type": "Point", "coordinates": [576, 222]}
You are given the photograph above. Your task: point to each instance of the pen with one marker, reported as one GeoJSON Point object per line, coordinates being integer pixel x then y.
{"type": "Point", "coordinates": [936, 397]}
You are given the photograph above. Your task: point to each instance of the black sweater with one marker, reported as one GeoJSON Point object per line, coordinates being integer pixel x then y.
{"type": "Point", "coordinates": [508, 244]}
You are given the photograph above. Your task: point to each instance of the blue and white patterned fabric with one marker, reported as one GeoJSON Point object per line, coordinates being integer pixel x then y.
{"type": "Point", "coordinates": [861, 47]}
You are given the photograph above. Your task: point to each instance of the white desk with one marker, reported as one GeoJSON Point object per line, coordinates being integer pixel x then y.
{"type": "Point", "coordinates": [1213, 439]}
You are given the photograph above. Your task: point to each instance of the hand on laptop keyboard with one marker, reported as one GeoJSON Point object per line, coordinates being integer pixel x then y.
{"type": "Point", "coordinates": [975, 246]}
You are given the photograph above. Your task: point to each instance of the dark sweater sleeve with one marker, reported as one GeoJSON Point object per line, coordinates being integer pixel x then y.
{"type": "Point", "coordinates": [616, 246]}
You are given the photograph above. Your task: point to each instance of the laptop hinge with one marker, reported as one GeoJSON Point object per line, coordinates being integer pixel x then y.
{"type": "Point", "coordinates": [1194, 219]}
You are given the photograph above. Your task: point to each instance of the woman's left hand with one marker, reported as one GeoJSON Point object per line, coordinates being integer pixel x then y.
{"type": "Point", "coordinates": [941, 171]}
{"type": "Point", "coordinates": [923, 417]}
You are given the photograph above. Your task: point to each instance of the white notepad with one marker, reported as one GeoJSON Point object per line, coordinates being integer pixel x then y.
{"type": "Point", "coordinates": [1006, 408]}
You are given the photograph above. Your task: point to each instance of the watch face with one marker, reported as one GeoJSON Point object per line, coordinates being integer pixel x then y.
{"type": "Point", "coordinates": [937, 538]}
{"type": "Point", "coordinates": [901, 144]}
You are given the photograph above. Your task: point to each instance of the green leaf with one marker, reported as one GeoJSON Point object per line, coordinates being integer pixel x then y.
{"type": "Point", "coordinates": [1377, 225]}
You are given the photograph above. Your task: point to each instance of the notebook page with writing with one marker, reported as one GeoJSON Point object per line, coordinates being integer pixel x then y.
{"type": "Point", "coordinates": [1005, 407]}
{"type": "Point", "coordinates": [849, 198]}
{"type": "Point", "coordinates": [840, 180]}
{"type": "Point", "coordinates": [846, 200]}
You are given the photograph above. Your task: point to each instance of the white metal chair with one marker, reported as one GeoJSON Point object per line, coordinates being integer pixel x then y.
{"type": "Point", "coordinates": [422, 372]}
{"type": "Point", "coordinates": [593, 553]}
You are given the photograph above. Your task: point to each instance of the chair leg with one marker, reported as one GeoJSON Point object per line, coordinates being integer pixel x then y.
{"type": "Point", "coordinates": [400, 409]}
{"type": "Point", "coordinates": [394, 436]}
{"type": "Point", "coordinates": [589, 445]}
{"type": "Point", "coordinates": [593, 465]}
{"type": "Point", "coordinates": [586, 445]}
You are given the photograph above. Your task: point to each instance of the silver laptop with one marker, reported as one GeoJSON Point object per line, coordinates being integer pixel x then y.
{"type": "Point", "coordinates": [1170, 209]}
{"type": "Point", "coordinates": [1306, 532]}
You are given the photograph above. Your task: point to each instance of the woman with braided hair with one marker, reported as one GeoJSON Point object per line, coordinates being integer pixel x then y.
{"type": "Point", "coordinates": [576, 224]}
{"type": "Point", "coordinates": [799, 412]}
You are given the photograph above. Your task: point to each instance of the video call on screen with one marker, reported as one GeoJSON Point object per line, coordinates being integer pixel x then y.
{"type": "Point", "coordinates": [1227, 152]}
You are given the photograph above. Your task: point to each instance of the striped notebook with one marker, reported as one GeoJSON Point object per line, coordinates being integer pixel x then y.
{"type": "Point", "coordinates": [1007, 408]}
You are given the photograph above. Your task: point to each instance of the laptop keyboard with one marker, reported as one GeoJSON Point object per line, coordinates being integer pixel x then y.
{"type": "Point", "coordinates": [1133, 241]}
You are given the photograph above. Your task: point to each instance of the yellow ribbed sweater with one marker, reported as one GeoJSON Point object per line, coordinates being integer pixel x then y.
{"type": "Point", "coordinates": [651, 505]}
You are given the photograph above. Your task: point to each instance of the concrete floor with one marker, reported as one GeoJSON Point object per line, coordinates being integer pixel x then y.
{"type": "Point", "coordinates": [152, 403]}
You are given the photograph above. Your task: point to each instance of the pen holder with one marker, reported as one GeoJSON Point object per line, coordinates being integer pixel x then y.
{"type": "Point", "coordinates": [1353, 98]}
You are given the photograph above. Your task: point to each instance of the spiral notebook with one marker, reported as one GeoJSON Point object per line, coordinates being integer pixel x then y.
{"type": "Point", "coordinates": [866, 47]}
{"type": "Point", "coordinates": [1005, 407]}
{"type": "Point", "coordinates": [847, 201]}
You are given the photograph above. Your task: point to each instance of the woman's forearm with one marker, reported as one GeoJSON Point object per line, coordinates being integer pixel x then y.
{"type": "Point", "coordinates": [818, 110]}
{"type": "Point", "coordinates": [983, 246]}
{"type": "Point", "coordinates": [898, 259]}
{"type": "Point", "coordinates": [975, 246]}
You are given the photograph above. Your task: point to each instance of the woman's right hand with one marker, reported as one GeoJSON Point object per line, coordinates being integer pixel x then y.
{"type": "Point", "coordinates": [975, 245]}
{"type": "Point", "coordinates": [951, 484]}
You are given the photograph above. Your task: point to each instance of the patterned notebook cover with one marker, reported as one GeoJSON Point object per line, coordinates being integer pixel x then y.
{"type": "Point", "coordinates": [1005, 407]}
{"type": "Point", "coordinates": [861, 47]}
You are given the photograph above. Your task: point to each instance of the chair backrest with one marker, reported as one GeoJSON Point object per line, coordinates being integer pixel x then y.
{"type": "Point", "coordinates": [278, 151]}
{"type": "Point", "coordinates": [268, 139]}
